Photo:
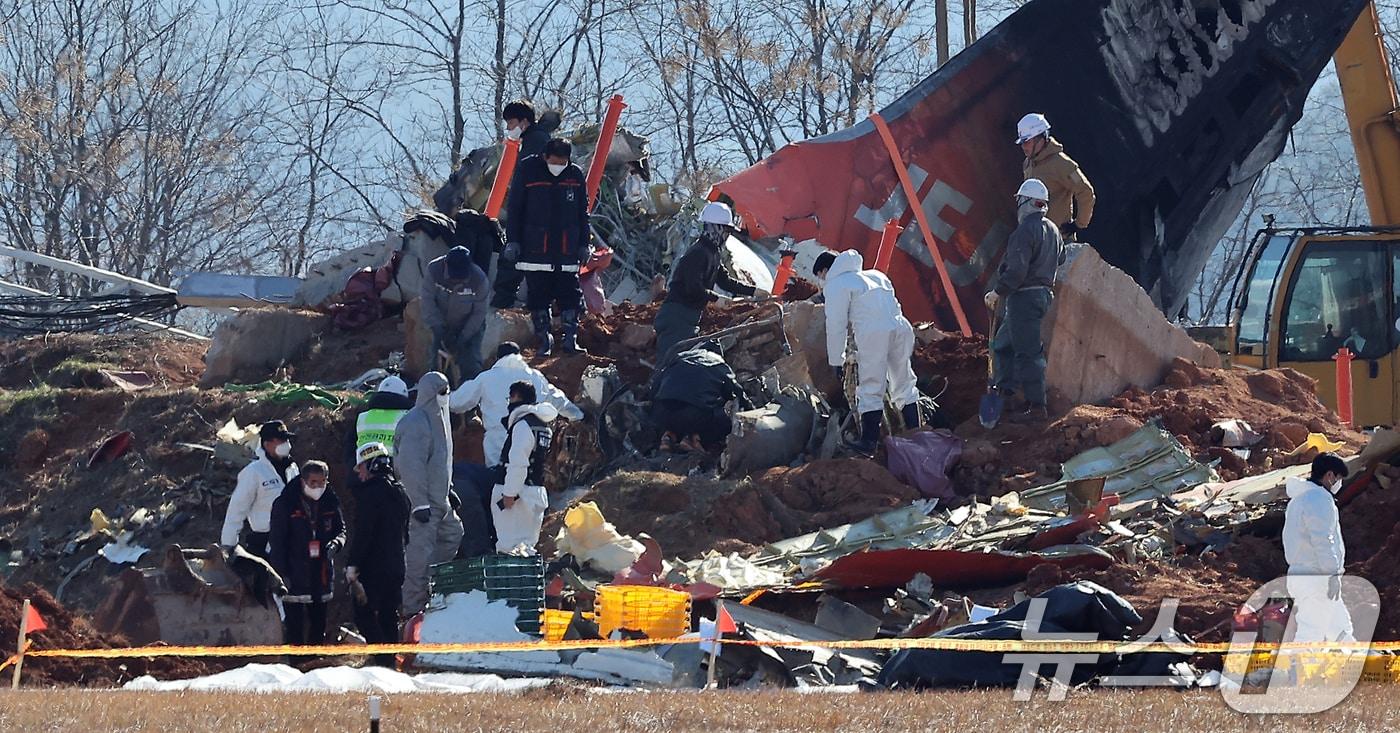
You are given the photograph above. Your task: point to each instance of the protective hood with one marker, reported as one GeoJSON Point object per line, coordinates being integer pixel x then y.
{"type": "Point", "coordinates": [542, 410]}
{"type": "Point", "coordinates": [1297, 486]}
{"type": "Point", "coordinates": [429, 388]}
{"type": "Point", "coordinates": [1051, 149]}
{"type": "Point", "coordinates": [848, 261]}
{"type": "Point", "coordinates": [513, 363]}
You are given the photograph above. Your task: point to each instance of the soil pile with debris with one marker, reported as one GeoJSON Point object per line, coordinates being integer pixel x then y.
{"type": "Point", "coordinates": [690, 516]}
{"type": "Point", "coordinates": [1280, 404]}
{"type": "Point", "coordinates": [67, 630]}
{"type": "Point", "coordinates": [628, 338]}
{"type": "Point", "coordinates": [51, 491]}
{"type": "Point", "coordinates": [953, 369]}
{"type": "Point", "coordinates": [76, 360]}
{"type": "Point", "coordinates": [337, 355]}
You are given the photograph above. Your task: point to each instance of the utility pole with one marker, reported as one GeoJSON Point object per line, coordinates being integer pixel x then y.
{"type": "Point", "coordinates": [969, 22]}
{"type": "Point", "coordinates": [940, 19]}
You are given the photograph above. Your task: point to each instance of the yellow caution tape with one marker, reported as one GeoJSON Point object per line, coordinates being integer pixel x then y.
{"type": "Point", "coordinates": [936, 643]}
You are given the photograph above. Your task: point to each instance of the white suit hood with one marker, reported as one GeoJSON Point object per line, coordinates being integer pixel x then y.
{"type": "Point", "coordinates": [1312, 530]}
{"type": "Point", "coordinates": [859, 300]}
{"type": "Point", "coordinates": [543, 410]}
{"type": "Point", "coordinates": [490, 391]}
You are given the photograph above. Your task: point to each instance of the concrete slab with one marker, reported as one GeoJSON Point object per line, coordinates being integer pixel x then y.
{"type": "Point", "coordinates": [251, 345]}
{"type": "Point", "coordinates": [1103, 334]}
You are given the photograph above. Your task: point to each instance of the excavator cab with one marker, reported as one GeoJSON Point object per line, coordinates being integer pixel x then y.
{"type": "Point", "coordinates": [1306, 293]}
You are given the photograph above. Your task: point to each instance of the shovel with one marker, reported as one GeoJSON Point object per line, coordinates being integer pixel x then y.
{"type": "Point", "coordinates": [989, 409]}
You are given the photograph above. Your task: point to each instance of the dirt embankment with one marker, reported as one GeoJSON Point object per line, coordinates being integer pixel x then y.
{"type": "Point", "coordinates": [1280, 404]}
{"type": "Point", "coordinates": [75, 360]}
{"type": "Point", "coordinates": [67, 630]}
{"type": "Point", "coordinates": [691, 516]}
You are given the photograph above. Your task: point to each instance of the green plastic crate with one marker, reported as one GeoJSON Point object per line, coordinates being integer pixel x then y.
{"type": "Point", "coordinates": [519, 581]}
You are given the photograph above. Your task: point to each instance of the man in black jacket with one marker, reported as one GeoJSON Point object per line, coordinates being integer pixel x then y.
{"type": "Point", "coordinates": [691, 395]}
{"type": "Point", "coordinates": [376, 559]}
{"type": "Point", "coordinates": [693, 281]}
{"type": "Point", "coordinates": [307, 532]}
{"type": "Point", "coordinates": [547, 236]}
{"type": "Point", "coordinates": [534, 134]}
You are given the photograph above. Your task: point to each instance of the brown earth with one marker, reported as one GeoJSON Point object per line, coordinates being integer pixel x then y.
{"type": "Point", "coordinates": [73, 360]}
{"type": "Point", "coordinates": [1281, 404]}
{"type": "Point", "coordinates": [68, 630]}
{"type": "Point", "coordinates": [691, 516]}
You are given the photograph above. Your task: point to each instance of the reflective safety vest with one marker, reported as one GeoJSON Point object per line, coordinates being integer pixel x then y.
{"type": "Point", "coordinates": [377, 426]}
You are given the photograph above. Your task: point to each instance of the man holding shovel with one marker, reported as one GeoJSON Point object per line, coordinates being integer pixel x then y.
{"type": "Point", "coordinates": [1024, 281]}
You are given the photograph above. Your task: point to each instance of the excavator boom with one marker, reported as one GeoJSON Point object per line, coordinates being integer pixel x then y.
{"type": "Point", "coordinates": [1368, 93]}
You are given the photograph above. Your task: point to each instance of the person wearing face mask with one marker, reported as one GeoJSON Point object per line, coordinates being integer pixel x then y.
{"type": "Point", "coordinates": [423, 458]}
{"type": "Point", "coordinates": [694, 278]}
{"type": "Point", "coordinates": [1312, 544]}
{"type": "Point", "coordinates": [1024, 280]}
{"type": "Point", "coordinates": [521, 123]}
{"type": "Point", "coordinates": [455, 302]}
{"type": "Point", "coordinates": [518, 500]}
{"type": "Point", "coordinates": [1071, 194]}
{"type": "Point", "coordinates": [863, 302]}
{"type": "Point", "coordinates": [376, 557]}
{"type": "Point", "coordinates": [259, 485]}
{"type": "Point", "coordinates": [548, 237]}
{"type": "Point", "coordinates": [307, 531]}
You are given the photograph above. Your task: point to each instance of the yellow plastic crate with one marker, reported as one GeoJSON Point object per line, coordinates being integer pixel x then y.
{"type": "Point", "coordinates": [555, 622]}
{"type": "Point", "coordinates": [660, 613]}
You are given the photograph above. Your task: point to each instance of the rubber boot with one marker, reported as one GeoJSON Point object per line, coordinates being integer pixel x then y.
{"type": "Point", "coordinates": [869, 433]}
{"type": "Point", "coordinates": [911, 415]}
{"type": "Point", "coordinates": [570, 345]}
{"type": "Point", "coordinates": [541, 321]}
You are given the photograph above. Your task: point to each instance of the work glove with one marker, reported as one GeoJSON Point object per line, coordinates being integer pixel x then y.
{"type": "Point", "coordinates": [511, 252]}
{"type": "Point", "coordinates": [991, 299]}
{"type": "Point", "coordinates": [332, 547]}
{"type": "Point", "coordinates": [1334, 587]}
{"type": "Point", "coordinates": [1068, 231]}
{"type": "Point", "coordinates": [422, 515]}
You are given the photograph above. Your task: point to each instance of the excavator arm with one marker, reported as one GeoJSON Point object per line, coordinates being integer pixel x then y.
{"type": "Point", "coordinates": [1368, 93]}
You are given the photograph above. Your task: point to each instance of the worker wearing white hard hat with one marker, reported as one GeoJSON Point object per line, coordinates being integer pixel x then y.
{"type": "Point", "coordinates": [375, 424]}
{"type": "Point", "coordinates": [1071, 195]}
{"type": "Point", "coordinates": [1024, 282]}
{"type": "Point", "coordinates": [694, 279]}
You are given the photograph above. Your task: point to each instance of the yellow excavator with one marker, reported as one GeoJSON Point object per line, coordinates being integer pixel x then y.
{"type": "Point", "coordinates": [1304, 293]}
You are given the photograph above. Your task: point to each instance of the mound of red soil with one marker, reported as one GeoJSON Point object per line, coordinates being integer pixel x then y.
{"type": "Point", "coordinates": [67, 630]}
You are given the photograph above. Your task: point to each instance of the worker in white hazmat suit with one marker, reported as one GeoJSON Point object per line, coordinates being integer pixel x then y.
{"type": "Point", "coordinates": [1312, 544]}
{"type": "Point", "coordinates": [423, 459]}
{"type": "Point", "coordinates": [518, 501]}
{"type": "Point", "coordinates": [863, 301]}
{"type": "Point", "coordinates": [490, 391]}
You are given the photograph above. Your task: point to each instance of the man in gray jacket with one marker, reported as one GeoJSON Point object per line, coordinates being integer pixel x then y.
{"type": "Point", "coordinates": [1024, 280]}
{"type": "Point", "coordinates": [455, 299]}
{"type": "Point", "coordinates": [423, 459]}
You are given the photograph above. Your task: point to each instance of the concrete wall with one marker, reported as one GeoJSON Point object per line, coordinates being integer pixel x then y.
{"type": "Point", "coordinates": [250, 346]}
{"type": "Point", "coordinates": [1104, 333]}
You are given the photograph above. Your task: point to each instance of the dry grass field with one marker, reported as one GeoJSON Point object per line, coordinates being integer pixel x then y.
{"type": "Point", "coordinates": [572, 710]}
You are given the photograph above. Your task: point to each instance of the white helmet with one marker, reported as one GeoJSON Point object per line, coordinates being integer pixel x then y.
{"type": "Point", "coordinates": [393, 384]}
{"type": "Point", "coordinates": [1033, 188]}
{"type": "Point", "coordinates": [1030, 126]}
{"type": "Point", "coordinates": [716, 212]}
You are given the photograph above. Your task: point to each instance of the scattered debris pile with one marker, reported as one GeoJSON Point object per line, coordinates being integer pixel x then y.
{"type": "Point", "coordinates": [690, 516]}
